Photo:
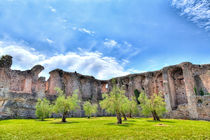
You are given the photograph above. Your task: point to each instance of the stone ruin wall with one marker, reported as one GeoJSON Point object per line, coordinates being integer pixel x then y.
{"type": "Point", "coordinates": [19, 90]}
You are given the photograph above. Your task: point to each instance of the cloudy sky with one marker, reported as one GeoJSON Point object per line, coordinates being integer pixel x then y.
{"type": "Point", "coordinates": [104, 38]}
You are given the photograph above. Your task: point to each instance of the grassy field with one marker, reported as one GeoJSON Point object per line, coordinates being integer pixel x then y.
{"type": "Point", "coordinates": [103, 128]}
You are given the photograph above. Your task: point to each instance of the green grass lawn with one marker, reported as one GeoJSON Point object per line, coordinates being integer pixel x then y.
{"type": "Point", "coordinates": [103, 128]}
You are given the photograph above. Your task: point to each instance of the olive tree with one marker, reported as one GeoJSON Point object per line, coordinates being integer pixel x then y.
{"type": "Point", "coordinates": [125, 108]}
{"type": "Point", "coordinates": [65, 104]}
{"type": "Point", "coordinates": [90, 109]}
{"type": "Point", "coordinates": [129, 108]}
{"type": "Point", "coordinates": [114, 102]}
{"type": "Point", "coordinates": [154, 105]}
{"type": "Point", "coordinates": [43, 109]}
{"type": "Point", "coordinates": [133, 107]}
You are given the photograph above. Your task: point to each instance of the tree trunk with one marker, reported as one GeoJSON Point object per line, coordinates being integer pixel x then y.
{"type": "Point", "coordinates": [130, 115]}
{"type": "Point", "coordinates": [155, 116]}
{"type": "Point", "coordinates": [119, 119]}
{"type": "Point", "coordinates": [64, 117]}
{"type": "Point", "coordinates": [124, 116]}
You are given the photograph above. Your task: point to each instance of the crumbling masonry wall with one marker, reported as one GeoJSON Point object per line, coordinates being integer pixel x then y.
{"type": "Point", "coordinates": [180, 84]}
{"type": "Point", "coordinates": [19, 91]}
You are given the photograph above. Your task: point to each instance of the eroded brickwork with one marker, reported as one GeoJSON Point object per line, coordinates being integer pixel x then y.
{"type": "Point", "coordinates": [180, 84]}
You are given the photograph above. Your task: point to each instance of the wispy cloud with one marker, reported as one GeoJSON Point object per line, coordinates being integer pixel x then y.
{"type": "Point", "coordinates": [110, 43]}
{"type": "Point", "coordinates": [198, 11]}
{"type": "Point", "coordinates": [84, 62]}
{"type": "Point", "coordinates": [121, 48]}
{"type": "Point", "coordinates": [49, 40]}
{"type": "Point", "coordinates": [84, 30]}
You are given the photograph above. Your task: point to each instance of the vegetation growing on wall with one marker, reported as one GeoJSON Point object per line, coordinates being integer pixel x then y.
{"type": "Point", "coordinates": [201, 92]}
{"type": "Point", "coordinates": [137, 93]}
{"type": "Point", "coordinates": [6, 61]}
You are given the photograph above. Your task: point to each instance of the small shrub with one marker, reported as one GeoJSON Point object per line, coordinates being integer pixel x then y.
{"type": "Point", "coordinates": [202, 93]}
{"type": "Point", "coordinates": [90, 109]}
{"type": "Point", "coordinates": [5, 61]}
{"type": "Point", "coordinates": [43, 109]}
{"type": "Point", "coordinates": [154, 106]}
{"type": "Point", "coordinates": [64, 105]}
{"type": "Point", "coordinates": [195, 90]}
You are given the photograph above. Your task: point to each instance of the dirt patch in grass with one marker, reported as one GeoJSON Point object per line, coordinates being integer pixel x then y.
{"type": "Point", "coordinates": [160, 124]}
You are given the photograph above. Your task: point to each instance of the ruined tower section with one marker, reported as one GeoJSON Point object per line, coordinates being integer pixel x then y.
{"type": "Point", "coordinates": [87, 87]}
{"type": "Point", "coordinates": [19, 90]}
{"type": "Point", "coordinates": [201, 82]}
{"type": "Point", "coordinates": [188, 88]}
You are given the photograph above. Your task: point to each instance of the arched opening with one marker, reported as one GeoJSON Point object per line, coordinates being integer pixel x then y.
{"type": "Point", "coordinates": [137, 94]}
{"type": "Point", "coordinates": [179, 91]}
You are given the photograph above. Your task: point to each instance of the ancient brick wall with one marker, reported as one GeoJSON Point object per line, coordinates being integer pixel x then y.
{"type": "Point", "coordinates": [180, 84]}
{"type": "Point", "coordinates": [177, 83]}
{"type": "Point", "coordinates": [19, 91]}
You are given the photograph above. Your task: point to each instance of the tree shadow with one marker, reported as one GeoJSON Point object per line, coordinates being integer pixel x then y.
{"type": "Point", "coordinates": [130, 121]}
{"type": "Point", "coordinates": [42, 120]}
{"type": "Point", "coordinates": [91, 118]}
{"type": "Point", "coordinates": [121, 125]}
{"type": "Point", "coordinates": [161, 121]}
{"type": "Point", "coordinates": [140, 118]}
{"type": "Point", "coordinates": [64, 122]}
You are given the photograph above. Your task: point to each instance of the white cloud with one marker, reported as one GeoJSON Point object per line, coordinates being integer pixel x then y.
{"type": "Point", "coordinates": [23, 56]}
{"type": "Point", "coordinates": [198, 11]}
{"type": "Point", "coordinates": [52, 9]}
{"type": "Point", "coordinates": [84, 30]}
{"type": "Point", "coordinates": [123, 48]}
{"type": "Point", "coordinates": [89, 63]}
{"type": "Point", "coordinates": [110, 43]}
{"type": "Point", "coordinates": [49, 40]}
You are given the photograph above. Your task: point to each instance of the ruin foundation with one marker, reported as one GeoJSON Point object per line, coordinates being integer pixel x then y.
{"type": "Point", "coordinates": [180, 84]}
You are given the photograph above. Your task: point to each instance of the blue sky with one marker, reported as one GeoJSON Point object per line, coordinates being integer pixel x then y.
{"type": "Point", "coordinates": [104, 38]}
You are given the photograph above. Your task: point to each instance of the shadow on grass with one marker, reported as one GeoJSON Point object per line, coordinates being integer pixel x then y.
{"type": "Point", "coordinates": [130, 121]}
{"type": "Point", "coordinates": [64, 122]}
{"type": "Point", "coordinates": [92, 118]}
{"type": "Point", "coordinates": [42, 120]}
{"type": "Point", "coordinates": [123, 124]}
{"type": "Point", "coordinates": [161, 121]}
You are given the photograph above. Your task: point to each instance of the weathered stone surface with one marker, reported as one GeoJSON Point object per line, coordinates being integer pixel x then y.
{"type": "Point", "coordinates": [19, 90]}
{"type": "Point", "coordinates": [203, 105]}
